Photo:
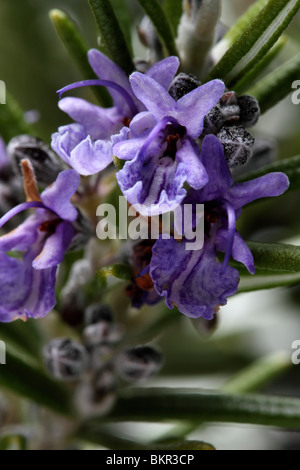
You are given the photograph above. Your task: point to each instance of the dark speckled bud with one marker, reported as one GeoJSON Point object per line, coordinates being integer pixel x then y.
{"type": "Point", "coordinates": [249, 110]}
{"type": "Point", "coordinates": [183, 84]}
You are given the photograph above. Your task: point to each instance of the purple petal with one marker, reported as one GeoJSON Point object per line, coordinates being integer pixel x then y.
{"type": "Point", "coordinates": [240, 250]}
{"type": "Point", "coordinates": [156, 99]}
{"type": "Point", "coordinates": [97, 122]}
{"type": "Point", "coordinates": [156, 184]}
{"type": "Point", "coordinates": [55, 247]}
{"type": "Point", "coordinates": [22, 237]}
{"type": "Point", "coordinates": [189, 156]}
{"type": "Point", "coordinates": [213, 159]}
{"type": "Point", "coordinates": [57, 196]}
{"type": "Point", "coordinates": [192, 107]}
{"type": "Point", "coordinates": [66, 139]}
{"type": "Point", "coordinates": [191, 280]}
{"type": "Point", "coordinates": [163, 71]}
{"type": "Point", "coordinates": [142, 122]}
{"type": "Point", "coordinates": [128, 149]}
{"type": "Point", "coordinates": [270, 185]}
{"type": "Point", "coordinates": [108, 70]}
{"type": "Point", "coordinates": [24, 291]}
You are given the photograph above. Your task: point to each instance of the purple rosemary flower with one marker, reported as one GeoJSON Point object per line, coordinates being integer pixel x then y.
{"type": "Point", "coordinates": [161, 146]}
{"type": "Point", "coordinates": [86, 144]}
{"type": "Point", "coordinates": [195, 281]}
{"type": "Point", "coordinates": [30, 254]}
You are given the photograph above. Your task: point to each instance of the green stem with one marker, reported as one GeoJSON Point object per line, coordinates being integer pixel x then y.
{"type": "Point", "coordinates": [12, 120]}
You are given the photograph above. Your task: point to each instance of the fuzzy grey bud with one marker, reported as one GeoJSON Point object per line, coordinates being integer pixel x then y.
{"type": "Point", "coordinates": [139, 363]}
{"type": "Point", "coordinates": [182, 84]}
{"type": "Point", "coordinates": [46, 166]}
{"type": "Point", "coordinates": [237, 144]}
{"type": "Point", "coordinates": [65, 359]}
{"type": "Point", "coordinates": [249, 110]}
{"type": "Point", "coordinates": [98, 312]}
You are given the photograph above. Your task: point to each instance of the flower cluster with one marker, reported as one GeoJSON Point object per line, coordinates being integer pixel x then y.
{"type": "Point", "coordinates": [176, 140]}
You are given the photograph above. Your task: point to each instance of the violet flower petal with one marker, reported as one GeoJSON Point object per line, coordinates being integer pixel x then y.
{"type": "Point", "coordinates": [57, 196]}
{"type": "Point", "coordinates": [55, 247]}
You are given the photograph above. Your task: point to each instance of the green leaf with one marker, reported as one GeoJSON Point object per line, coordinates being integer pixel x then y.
{"type": "Point", "coordinates": [173, 11]}
{"type": "Point", "coordinates": [32, 383]}
{"type": "Point", "coordinates": [161, 405]}
{"type": "Point", "coordinates": [238, 28]}
{"type": "Point", "coordinates": [253, 75]}
{"type": "Point", "coordinates": [277, 257]}
{"type": "Point", "coordinates": [256, 41]}
{"type": "Point", "coordinates": [12, 120]}
{"type": "Point", "coordinates": [161, 23]}
{"type": "Point", "coordinates": [119, 270]}
{"type": "Point", "coordinates": [289, 166]}
{"type": "Point", "coordinates": [25, 336]}
{"type": "Point", "coordinates": [258, 374]}
{"type": "Point", "coordinates": [277, 84]}
{"type": "Point", "coordinates": [77, 49]}
{"type": "Point", "coordinates": [111, 34]}
{"type": "Point", "coordinates": [123, 15]}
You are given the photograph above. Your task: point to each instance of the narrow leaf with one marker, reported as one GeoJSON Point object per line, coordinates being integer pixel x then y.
{"type": "Point", "coordinates": [160, 405]}
{"type": "Point", "coordinates": [253, 75]}
{"type": "Point", "coordinates": [289, 166]}
{"type": "Point", "coordinates": [173, 11]}
{"type": "Point", "coordinates": [258, 374]}
{"type": "Point", "coordinates": [277, 257]}
{"type": "Point", "coordinates": [161, 23]}
{"type": "Point", "coordinates": [277, 84]}
{"type": "Point", "coordinates": [119, 270]}
{"type": "Point", "coordinates": [238, 28]}
{"type": "Point", "coordinates": [77, 49]}
{"type": "Point", "coordinates": [256, 41]}
{"type": "Point", "coordinates": [25, 336]}
{"type": "Point", "coordinates": [111, 34]}
{"type": "Point", "coordinates": [32, 383]}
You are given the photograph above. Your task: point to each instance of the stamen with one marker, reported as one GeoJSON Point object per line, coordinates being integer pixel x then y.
{"type": "Point", "coordinates": [231, 231]}
{"type": "Point", "coordinates": [20, 208]}
{"type": "Point", "coordinates": [155, 132]}
{"type": "Point", "coordinates": [30, 185]}
{"type": "Point", "coordinates": [108, 84]}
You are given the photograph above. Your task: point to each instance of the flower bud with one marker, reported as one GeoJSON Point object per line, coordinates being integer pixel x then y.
{"type": "Point", "coordinates": [182, 84]}
{"type": "Point", "coordinates": [45, 164]}
{"type": "Point", "coordinates": [139, 363]}
{"type": "Point", "coordinates": [237, 143]}
{"type": "Point", "coordinates": [249, 110]}
{"type": "Point", "coordinates": [98, 312]}
{"type": "Point", "coordinates": [65, 359]}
